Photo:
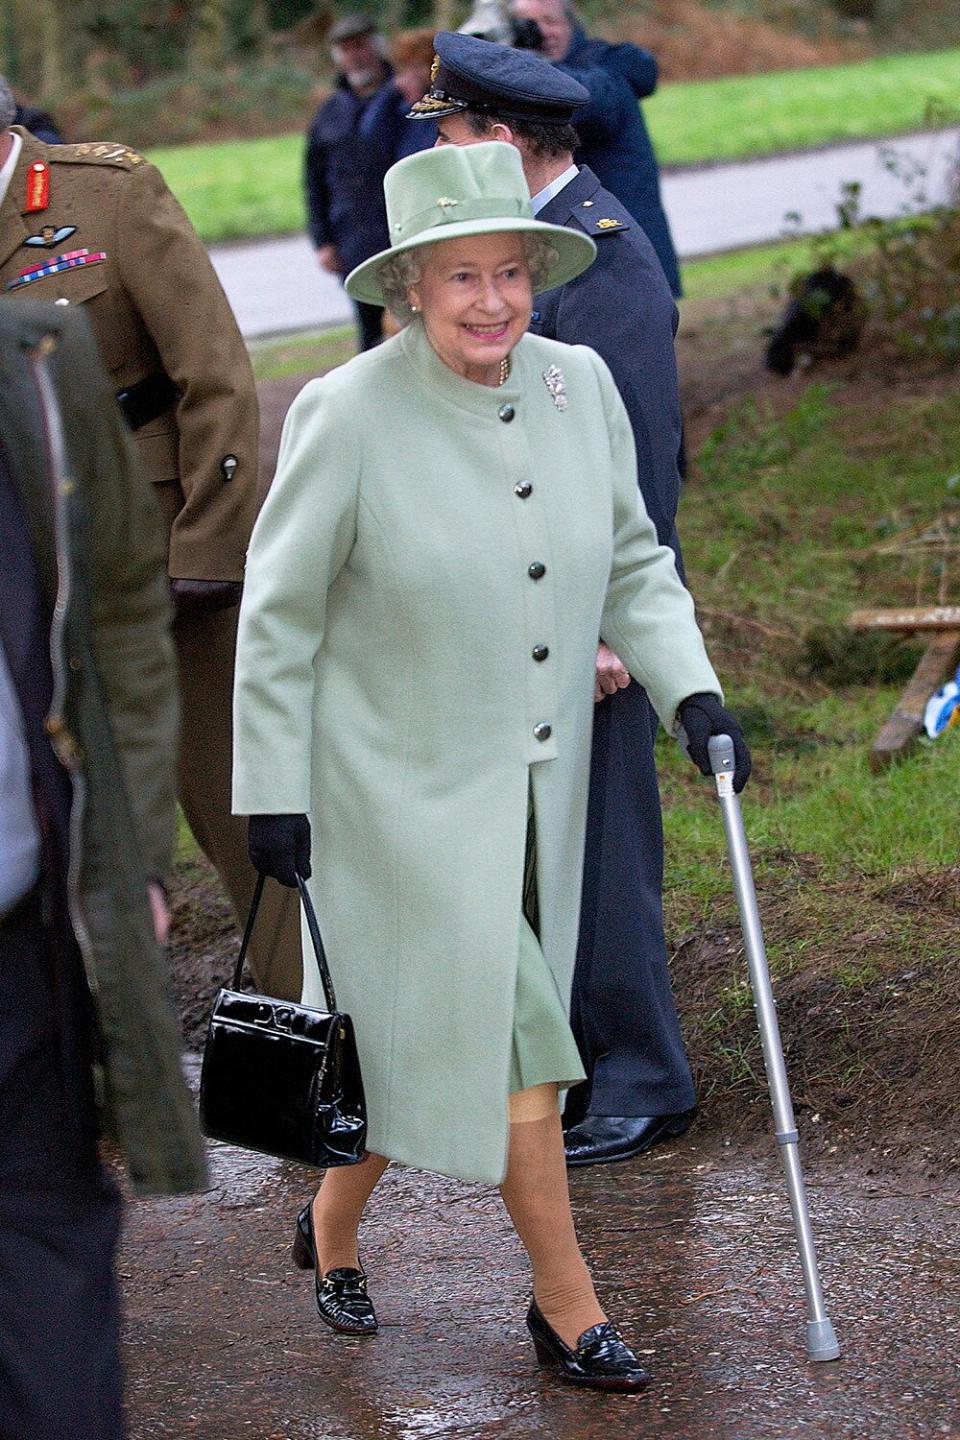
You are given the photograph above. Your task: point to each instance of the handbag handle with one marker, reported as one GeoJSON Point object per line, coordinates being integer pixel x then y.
{"type": "Point", "coordinates": [318, 950]}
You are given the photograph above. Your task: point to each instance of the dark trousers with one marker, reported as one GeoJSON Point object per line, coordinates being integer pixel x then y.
{"type": "Point", "coordinates": [369, 324]}
{"type": "Point", "coordinates": [60, 1375]}
{"type": "Point", "coordinates": [623, 1013]}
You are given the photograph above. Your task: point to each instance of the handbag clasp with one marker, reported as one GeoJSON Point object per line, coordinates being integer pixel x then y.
{"type": "Point", "coordinates": [272, 1017]}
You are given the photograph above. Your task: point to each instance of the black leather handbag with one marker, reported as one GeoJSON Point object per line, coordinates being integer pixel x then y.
{"type": "Point", "coordinates": [279, 1077]}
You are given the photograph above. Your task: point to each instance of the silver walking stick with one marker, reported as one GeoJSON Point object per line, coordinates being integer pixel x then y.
{"type": "Point", "coordinates": [821, 1340]}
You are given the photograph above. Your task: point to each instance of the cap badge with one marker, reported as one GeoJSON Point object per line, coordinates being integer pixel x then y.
{"type": "Point", "coordinates": [434, 68]}
{"type": "Point", "coordinates": [445, 202]}
{"type": "Point", "coordinates": [557, 386]}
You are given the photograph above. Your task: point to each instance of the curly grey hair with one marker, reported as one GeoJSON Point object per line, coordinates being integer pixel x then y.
{"type": "Point", "coordinates": [8, 106]}
{"type": "Point", "coordinates": [397, 274]}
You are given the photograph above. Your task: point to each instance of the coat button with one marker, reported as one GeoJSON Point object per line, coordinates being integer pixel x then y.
{"type": "Point", "coordinates": [540, 652]}
{"type": "Point", "coordinates": [537, 570]}
{"type": "Point", "coordinates": [543, 731]}
{"type": "Point", "coordinates": [506, 413]}
{"type": "Point", "coordinates": [524, 489]}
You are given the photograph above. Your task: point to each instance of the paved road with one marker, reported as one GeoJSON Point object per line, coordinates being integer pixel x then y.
{"type": "Point", "coordinates": [276, 287]}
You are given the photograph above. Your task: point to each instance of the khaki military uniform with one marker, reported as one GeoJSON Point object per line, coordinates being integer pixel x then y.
{"type": "Point", "coordinates": [95, 225]}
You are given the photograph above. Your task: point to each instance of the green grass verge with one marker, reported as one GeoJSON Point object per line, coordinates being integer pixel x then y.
{"type": "Point", "coordinates": [748, 115]}
{"type": "Point", "coordinates": [763, 267]}
{"type": "Point", "coordinates": [240, 189]}
{"type": "Point", "coordinates": [781, 526]}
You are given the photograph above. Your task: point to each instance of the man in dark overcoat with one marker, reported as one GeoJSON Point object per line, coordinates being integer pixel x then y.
{"type": "Point", "coordinates": [640, 1088]}
{"type": "Point", "coordinates": [94, 225]}
{"type": "Point", "coordinates": [88, 710]}
{"type": "Point", "coordinates": [343, 169]}
{"type": "Point", "coordinates": [614, 140]}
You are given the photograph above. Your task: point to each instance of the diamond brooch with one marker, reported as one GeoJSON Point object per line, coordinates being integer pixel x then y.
{"type": "Point", "coordinates": [555, 383]}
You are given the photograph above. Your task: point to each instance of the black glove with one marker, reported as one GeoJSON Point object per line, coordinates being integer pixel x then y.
{"type": "Point", "coordinates": [279, 845]}
{"type": "Point", "coordinates": [703, 716]}
{"type": "Point", "coordinates": [194, 598]}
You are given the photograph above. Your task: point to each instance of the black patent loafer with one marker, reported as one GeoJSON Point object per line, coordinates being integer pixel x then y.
{"type": "Point", "coordinates": [342, 1299]}
{"type": "Point", "coordinates": [598, 1139]}
{"type": "Point", "coordinates": [601, 1361]}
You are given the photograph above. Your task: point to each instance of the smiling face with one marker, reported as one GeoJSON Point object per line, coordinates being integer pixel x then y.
{"type": "Point", "coordinates": [475, 298]}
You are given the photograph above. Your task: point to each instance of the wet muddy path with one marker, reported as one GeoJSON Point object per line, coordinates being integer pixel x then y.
{"type": "Point", "coordinates": [693, 1252]}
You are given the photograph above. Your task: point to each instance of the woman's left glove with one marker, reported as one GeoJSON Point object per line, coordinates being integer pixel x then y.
{"type": "Point", "coordinates": [702, 716]}
{"type": "Point", "coordinates": [279, 845]}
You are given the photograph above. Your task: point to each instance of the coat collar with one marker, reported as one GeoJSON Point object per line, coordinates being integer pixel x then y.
{"type": "Point", "coordinates": [439, 380]}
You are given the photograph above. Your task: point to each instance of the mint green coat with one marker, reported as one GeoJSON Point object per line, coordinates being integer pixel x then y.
{"type": "Point", "coordinates": [386, 685]}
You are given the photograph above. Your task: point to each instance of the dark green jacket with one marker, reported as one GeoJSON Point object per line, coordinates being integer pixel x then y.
{"type": "Point", "coordinates": [99, 549]}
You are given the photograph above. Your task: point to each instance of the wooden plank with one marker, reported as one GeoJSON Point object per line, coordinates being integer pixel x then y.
{"type": "Point", "coordinates": [937, 662]}
{"type": "Point", "coordinates": [925, 617]}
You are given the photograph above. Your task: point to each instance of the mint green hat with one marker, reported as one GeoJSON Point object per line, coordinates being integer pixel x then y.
{"type": "Point", "coordinates": [456, 190]}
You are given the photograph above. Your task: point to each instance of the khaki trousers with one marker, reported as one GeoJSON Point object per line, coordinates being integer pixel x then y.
{"type": "Point", "coordinates": [205, 652]}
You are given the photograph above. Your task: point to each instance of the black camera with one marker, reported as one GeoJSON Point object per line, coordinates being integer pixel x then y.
{"type": "Point", "coordinates": [491, 21]}
{"type": "Point", "coordinates": [527, 35]}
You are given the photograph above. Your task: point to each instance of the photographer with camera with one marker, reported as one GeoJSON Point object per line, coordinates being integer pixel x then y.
{"type": "Point", "coordinates": [614, 141]}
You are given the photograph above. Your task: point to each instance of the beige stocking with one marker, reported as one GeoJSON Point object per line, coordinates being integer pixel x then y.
{"type": "Point", "coordinates": [338, 1207]}
{"type": "Point", "coordinates": [538, 1202]}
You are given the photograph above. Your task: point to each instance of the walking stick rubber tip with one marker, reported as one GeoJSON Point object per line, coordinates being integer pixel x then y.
{"type": "Point", "coordinates": [822, 1343]}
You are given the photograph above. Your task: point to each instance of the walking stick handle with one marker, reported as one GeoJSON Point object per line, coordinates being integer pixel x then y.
{"type": "Point", "coordinates": [721, 753]}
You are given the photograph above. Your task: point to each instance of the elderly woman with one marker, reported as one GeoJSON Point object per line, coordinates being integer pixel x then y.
{"type": "Point", "coordinates": [454, 521]}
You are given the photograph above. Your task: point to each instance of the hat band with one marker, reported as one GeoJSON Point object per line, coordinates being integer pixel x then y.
{"type": "Point", "coordinates": [447, 211]}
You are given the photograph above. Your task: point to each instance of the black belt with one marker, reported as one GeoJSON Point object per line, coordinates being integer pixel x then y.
{"type": "Point", "coordinates": [149, 398]}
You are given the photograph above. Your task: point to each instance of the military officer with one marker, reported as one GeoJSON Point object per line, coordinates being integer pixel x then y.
{"type": "Point", "coordinates": [641, 1090]}
{"type": "Point", "coordinates": [95, 225]}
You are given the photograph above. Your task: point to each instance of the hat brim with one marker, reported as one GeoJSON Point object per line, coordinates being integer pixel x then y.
{"type": "Point", "coordinates": [575, 252]}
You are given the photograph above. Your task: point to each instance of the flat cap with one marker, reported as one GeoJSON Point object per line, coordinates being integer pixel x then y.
{"type": "Point", "coordinates": [473, 74]}
{"type": "Point", "coordinates": [350, 28]}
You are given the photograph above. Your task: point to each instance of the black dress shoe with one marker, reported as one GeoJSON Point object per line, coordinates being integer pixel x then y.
{"type": "Point", "coordinates": [601, 1360]}
{"type": "Point", "coordinates": [342, 1298]}
{"type": "Point", "coordinates": [600, 1138]}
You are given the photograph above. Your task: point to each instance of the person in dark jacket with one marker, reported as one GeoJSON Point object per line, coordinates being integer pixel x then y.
{"type": "Point", "coordinates": [614, 141]}
{"type": "Point", "coordinates": [640, 1088]}
{"type": "Point", "coordinates": [343, 170]}
{"type": "Point", "coordinates": [39, 123]}
{"type": "Point", "coordinates": [385, 119]}
{"type": "Point", "coordinates": [88, 710]}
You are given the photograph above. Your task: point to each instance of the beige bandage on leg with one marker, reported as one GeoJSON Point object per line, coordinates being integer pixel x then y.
{"type": "Point", "coordinates": [538, 1201]}
{"type": "Point", "coordinates": [537, 1102]}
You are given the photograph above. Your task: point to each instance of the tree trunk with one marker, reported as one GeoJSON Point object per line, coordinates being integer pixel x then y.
{"type": "Point", "coordinates": [50, 37]}
{"type": "Point", "coordinates": [208, 44]}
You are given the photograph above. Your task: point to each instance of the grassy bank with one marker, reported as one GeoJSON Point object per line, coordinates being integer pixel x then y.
{"type": "Point", "coordinates": [246, 188]}
{"type": "Point", "coordinates": [792, 519]}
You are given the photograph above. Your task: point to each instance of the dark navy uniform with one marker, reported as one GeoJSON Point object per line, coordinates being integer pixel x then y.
{"type": "Point", "coordinates": [624, 1015]}
{"type": "Point", "coordinates": [343, 177]}
{"type": "Point", "coordinates": [614, 139]}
